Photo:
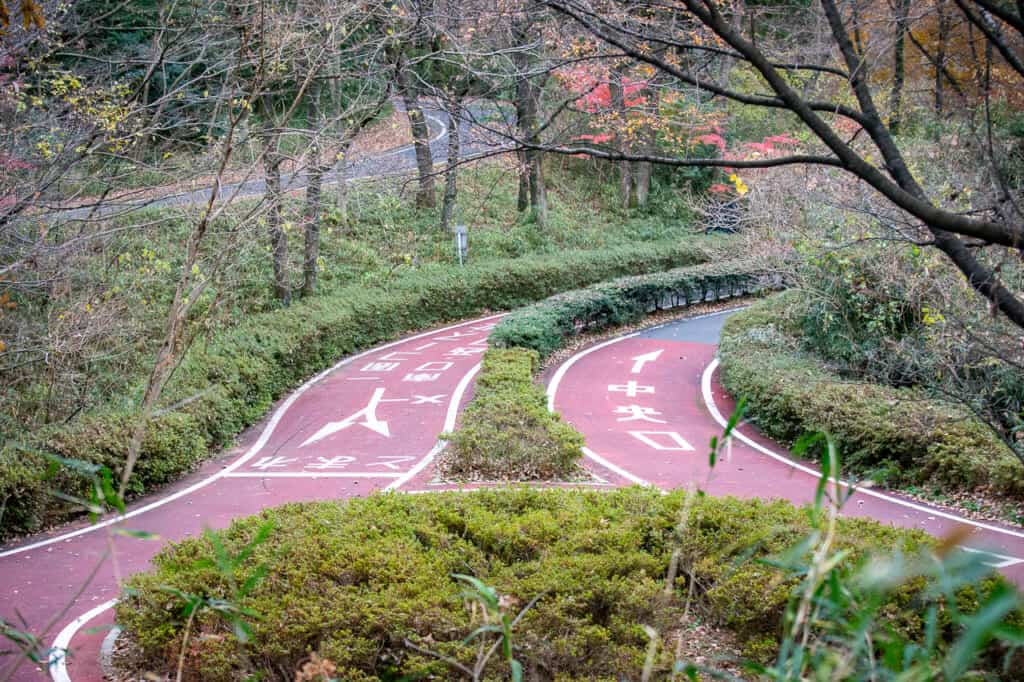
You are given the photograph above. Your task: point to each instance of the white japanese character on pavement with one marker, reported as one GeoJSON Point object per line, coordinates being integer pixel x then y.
{"type": "Point", "coordinates": [265, 463]}
{"type": "Point", "coordinates": [630, 388]}
{"type": "Point", "coordinates": [638, 413]}
{"type": "Point", "coordinates": [337, 462]}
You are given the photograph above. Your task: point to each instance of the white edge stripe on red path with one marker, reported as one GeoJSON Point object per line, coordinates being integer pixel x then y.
{"type": "Point", "coordinates": [267, 432]}
{"type": "Point", "coordinates": [58, 662]}
{"type": "Point", "coordinates": [556, 380]}
{"type": "Point", "coordinates": [449, 426]}
{"type": "Point", "coordinates": [61, 644]}
{"type": "Point", "coordinates": [709, 402]}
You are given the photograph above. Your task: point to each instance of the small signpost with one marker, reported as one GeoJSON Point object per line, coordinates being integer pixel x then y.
{"type": "Point", "coordinates": [461, 242]}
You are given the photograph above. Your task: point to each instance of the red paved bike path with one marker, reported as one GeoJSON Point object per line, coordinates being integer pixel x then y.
{"type": "Point", "coordinates": [640, 403]}
{"type": "Point", "coordinates": [369, 423]}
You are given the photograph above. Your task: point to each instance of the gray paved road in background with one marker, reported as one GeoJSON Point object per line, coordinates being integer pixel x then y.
{"type": "Point", "coordinates": [395, 162]}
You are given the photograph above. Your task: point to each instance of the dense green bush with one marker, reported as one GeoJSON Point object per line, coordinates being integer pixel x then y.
{"type": "Point", "coordinates": [898, 436]}
{"type": "Point", "coordinates": [507, 431]}
{"type": "Point", "coordinates": [352, 591]}
{"type": "Point", "coordinates": [545, 326]}
{"type": "Point", "coordinates": [229, 380]}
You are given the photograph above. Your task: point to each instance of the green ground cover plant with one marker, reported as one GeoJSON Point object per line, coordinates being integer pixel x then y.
{"type": "Point", "coordinates": [545, 326]}
{"type": "Point", "coordinates": [385, 599]}
{"type": "Point", "coordinates": [896, 436]}
{"type": "Point", "coordinates": [231, 378]}
{"type": "Point", "coordinates": [506, 431]}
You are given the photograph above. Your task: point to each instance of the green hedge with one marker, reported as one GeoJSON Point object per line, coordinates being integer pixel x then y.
{"type": "Point", "coordinates": [352, 591]}
{"type": "Point", "coordinates": [507, 431]}
{"type": "Point", "coordinates": [894, 435]}
{"type": "Point", "coordinates": [545, 326]}
{"type": "Point", "coordinates": [231, 379]}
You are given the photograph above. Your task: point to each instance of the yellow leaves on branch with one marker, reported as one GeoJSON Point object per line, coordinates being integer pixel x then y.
{"type": "Point", "coordinates": [737, 181]}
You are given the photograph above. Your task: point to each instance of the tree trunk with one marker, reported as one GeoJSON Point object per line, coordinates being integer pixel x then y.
{"type": "Point", "coordinates": [940, 55]}
{"type": "Point", "coordinates": [425, 197]}
{"type": "Point", "coordinates": [452, 170]}
{"type": "Point", "coordinates": [618, 97]}
{"type": "Point", "coordinates": [187, 291]}
{"type": "Point", "coordinates": [272, 160]}
{"type": "Point", "coordinates": [529, 95]}
{"type": "Point", "coordinates": [725, 64]}
{"type": "Point", "coordinates": [341, 169]}
{"type": "Point", "coordinates": [899, 66]}
{"type": "Point", "coordinates": [531, 179]}
{"type": "Point", "coordinates": [523, 202]}
{"type": "Point", "coordinates": [314, 185]}
{"type": "Point", "coordinates": [642, 170]}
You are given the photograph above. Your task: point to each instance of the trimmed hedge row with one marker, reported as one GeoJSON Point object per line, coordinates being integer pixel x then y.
{"type": "Point", "coordinates": [229, 381]}
{"type": "Point", "coordinates": [352, 592]}
{"type": "Point", "coordinates": [896, 436]}
{"type": "Point", "coordinates": [545, 326]}
{"type": "Point", "coordinates": [507, 431]}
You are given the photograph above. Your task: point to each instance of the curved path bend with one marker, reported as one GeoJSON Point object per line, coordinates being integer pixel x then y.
{"type": "Point", "coordinates": [648, 403]}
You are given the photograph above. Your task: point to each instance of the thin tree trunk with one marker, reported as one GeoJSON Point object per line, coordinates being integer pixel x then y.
{"type": "Point", "coordinates": [523, 202]}
{"type": "Point", "coordinates": [314, 184]}
{"type": "Point", "coordinates": [726, 63]}
{"type": "Point", "coordinates": [618, 97]}
{"type": "Point", "coordinates": [531, 179]}
{"type": "Point", "coordinates": [272, 160]}
{"type": "Point", "coordinates": [522, 115]}
{"type": "Point", "coordinates": [899, 66]}
{"type": "Point", "coordinates": [425, 195]}
{"type": "Point", "coordinates": [940, 55]}
{"type": "Point", "coordinates": [341, 169]}
{"type": "Point", "coordinates": [452, 170]}
{"type": "Point", "coordinates": [643, 169]}
{"type": "Point", "coordinates": [534, 169]}
{"type": "Point", "coordinates": [187, 291]}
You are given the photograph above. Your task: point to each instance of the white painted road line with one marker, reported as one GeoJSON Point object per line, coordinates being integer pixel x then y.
{"type": "Point", "coordinates": [617, 469]}
{"type": "Point", "coordinates": [709, 402]}
{"type": "Point", "coordinates": [61, 644]}
{"type": "Point", "coordinates": [311, 474]}
{"type": "Point", "coordinates": [57, 660]}
{"type": "Point", "coordinates": [449, 425]}
{"type": "Point", "coordinates": [249, 454]}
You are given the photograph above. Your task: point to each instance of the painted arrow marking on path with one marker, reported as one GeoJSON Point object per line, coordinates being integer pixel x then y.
{"type": "Point", "coordinates": [641, 360]}
{"type": "Point", "coordinates": [370, 421]}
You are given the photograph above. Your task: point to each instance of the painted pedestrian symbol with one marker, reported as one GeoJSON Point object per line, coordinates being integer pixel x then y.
{"type": "Point", "coordinates": [662, 440]}
{"type": "Point", "coordinates": [365, 417]}
{"type": "Point", "coordinates": [636, 413]}
{"type": "Point", "coordinates": [630, 388]}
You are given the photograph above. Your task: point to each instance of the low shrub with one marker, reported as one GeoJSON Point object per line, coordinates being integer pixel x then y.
{"type": "Point", "coordinates": [507, 431]}
{"type": "Point", "coordinates": [545, 326]}
{"type": "Point", "coordinates": [230, 379]}
{"type": "Point", "coordinates": [899, 436]}
{"type": "Point", "coordinates": [353, 591]}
